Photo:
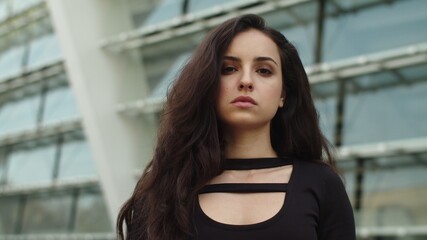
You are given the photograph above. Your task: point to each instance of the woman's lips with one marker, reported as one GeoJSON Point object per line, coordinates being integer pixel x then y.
{"type": "Point", "coordinates": [244, 102]}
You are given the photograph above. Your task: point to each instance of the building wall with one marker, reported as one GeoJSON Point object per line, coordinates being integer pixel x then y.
{"type": "Point", "coordinates": [48, 179]}
{"type": "Point", "coordinates": [81, 97]}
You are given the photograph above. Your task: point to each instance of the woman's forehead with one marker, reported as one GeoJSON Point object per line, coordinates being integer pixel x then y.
{"type": "Point", "coordinates": [253, 44]}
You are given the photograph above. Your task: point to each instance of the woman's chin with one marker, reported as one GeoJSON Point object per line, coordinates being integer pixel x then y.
{"type": "Point", "coordinates": [245, 123]}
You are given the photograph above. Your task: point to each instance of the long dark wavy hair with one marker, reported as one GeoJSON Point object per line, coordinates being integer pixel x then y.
{"type": "Point", "coordinates": [190, 145]}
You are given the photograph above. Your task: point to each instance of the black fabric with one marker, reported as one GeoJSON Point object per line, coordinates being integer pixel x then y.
{"type": "Point", "coordinates": [316, 207]}
{"type": "Point", "coordinates": [245, 187]}
{"type": "Point", "coordinates": [256, 163]}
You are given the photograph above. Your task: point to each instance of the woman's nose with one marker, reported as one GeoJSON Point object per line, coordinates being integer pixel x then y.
{"type": "Point", "coordinates": [247, 86]}
{"type": "Point", "coordinates": [246, 83]}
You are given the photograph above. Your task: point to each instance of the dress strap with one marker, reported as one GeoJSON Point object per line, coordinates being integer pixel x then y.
{"type": "Point", "coordinates": [245, 188]}
{"type": "Point", "coordinates": [256, 163]}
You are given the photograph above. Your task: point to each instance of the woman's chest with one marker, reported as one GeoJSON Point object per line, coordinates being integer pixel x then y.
{"type": "Point", "coordinates": [297, 219]}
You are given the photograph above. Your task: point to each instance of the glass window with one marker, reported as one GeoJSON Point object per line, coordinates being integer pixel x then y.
{"type": "Point", "coordinates": [350, 184]}
{"type": "Point", "coordinates": [3, 10]}
{"type": "Point", "coordinates": [21, 5]}
{"type": "Point", "coordinates": [302, 37]}
{"type": "Point", "coordinates": [325, 102]}
{"type": "Point", "coordinates": [9, 214]}
{"type": "Point", "coordinates": [390, 114]}
{"type": "Point", "coordinates": [3, 166]}
{"type": "Point", "coordinates": [166, 10]}
{"type": "Point", "coordinates": [76, 160]}
{"type": "Point", "coordinates": [198, 5]}
{"type": "Point", "coordinates": [32, 165]}
{"type": "Point", "coordinates": [11, 62]}
{"type": "Point", "coordinates": [92, 215]}
{"type": "Point", "coordinates": [395, 192]}
{"type": "Point", "coordinates": [47, 213]}
{"type": "Point", "coordinates": [19, 115]}
{"type": "Point", "coordinates": [372, 81]}
{"type": "Point", "coordinates": [280, 20]}
{"type": "Point", "coordinates": [348, 170]}
{"type": "Point", "coordinates": [374, 29]}
{"type": "Point", "coordinates": [60, 105]}
{"type": "Point", "coordinates": [326, 110]}
{"type": "Point", "coordinates": [160, 58]}
{"type": "Point", "coordinates": [348, 5]}
{"type": "Point", "coordinates": [414, 74]}
{"type": "Point", "coordinates": [43, 51]}
{"type": "Point", "coordinates": [161, 89]}
{"type": "Point", "coordinates": [298, 25]}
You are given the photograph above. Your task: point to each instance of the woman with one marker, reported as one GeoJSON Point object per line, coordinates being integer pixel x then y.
{"type": "Point", "coordinates": [239, 149]}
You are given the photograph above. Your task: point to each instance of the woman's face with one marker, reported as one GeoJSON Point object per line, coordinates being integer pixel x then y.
{"type": "Point", "coordinates": [251, 81]}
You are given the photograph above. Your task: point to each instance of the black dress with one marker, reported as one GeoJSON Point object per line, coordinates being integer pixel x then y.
{"type": "Point", "coordinates": [316, 205]}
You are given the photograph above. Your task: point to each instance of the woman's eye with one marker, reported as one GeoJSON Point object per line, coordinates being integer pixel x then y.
{"type": "Point", "coordinates": [228, 70]}
{"type": "Point", "coordinates": [264, 71]}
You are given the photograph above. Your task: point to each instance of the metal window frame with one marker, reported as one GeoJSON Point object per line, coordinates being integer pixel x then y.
{"type": "Point", "coordinates": [57, 185]}
{"type": "Point", "coordinates": [19, 20]}
{"type": "Point", "coordinates": [196, 22]}
{"type": "Point", "coordinates": [192, 23]}
{"type": "Point", "coordinates": [390, 60]}
{"type": "Point", "coordinates": [383, 149]}
{"type": "Point", "coordinates": [41, 132]}
{"type": "Point", "coordinates": [29, 77]}
{"type": "Point", "coordinates": [394, 231]}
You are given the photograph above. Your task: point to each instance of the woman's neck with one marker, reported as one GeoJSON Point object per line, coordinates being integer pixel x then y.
{"type": "Point", "coordinates": [249, 143]}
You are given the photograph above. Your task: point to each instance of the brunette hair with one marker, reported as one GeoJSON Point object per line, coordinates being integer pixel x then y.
{"type": "Point", "coordinates": [190, 144]}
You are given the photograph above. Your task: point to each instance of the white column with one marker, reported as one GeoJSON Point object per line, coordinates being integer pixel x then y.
{"type": "Point", "coordinates": [100, 80]}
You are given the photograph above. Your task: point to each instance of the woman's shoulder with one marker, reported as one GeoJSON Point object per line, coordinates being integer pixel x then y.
{"type": "Point", "coordinates": [319, 171]}
{"type": "Point", "coordinates": [322, 179]}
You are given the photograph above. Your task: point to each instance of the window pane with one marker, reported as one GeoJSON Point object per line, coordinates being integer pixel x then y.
{"type": "Point", "coordinates": [375, 29]}
{"type": "Point", "coordinates": [43, 51]}
{"type": "Point", "coordinates": [31, 165]}
{"type": "Point", "coordinates": [8, 214]}
{"type": "Point", "coordinates": [3, 10]}
{"type": "Point", "coordinates": [348, 169]}
{"type": "Point", "coordinates": [92, 215]}
{"type": "Point", "coordinates": [76, 160]}
{"type": "Point", "coordinates": [11, 62]}
{"type": "Point", "coordinates": [47, 213]}
{"type": "Point", "coordinates": [60, 105]}
{"type": "Point", "coordinates": [389, 114]}
{"type": "Point", "coordinates": [161, 89]}
{"type": "Point", "coordinates": [395, 195]}
{"type": "Point", "coordinates": [19, 115]}
{"type": "Point", "coordinates": [2, 166]}
{"type": "Point", "coordinates": [166, 10]}
{"type": "Point", "coordinates": [326, 109]}
{"type": "Point", "coordinates": [302, 37]}
{"type": "Point", "coordinates": [414, 73]}
{"type": "Point", "coordinates": [298, 25]}
{"type": "Point", "coordinates": [21, 5]}
{"type": "Point", "coordinates": [198, 5]}
{"type": "Point", "coordinates": [325, 102]}
{"type": "Point", "coordinates": [372, 81]}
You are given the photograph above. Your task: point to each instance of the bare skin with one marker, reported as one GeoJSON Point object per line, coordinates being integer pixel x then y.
{"type": "Point", "coordinates": [246, 208]}
{"type": "Point", "coordinates": [248, 130]}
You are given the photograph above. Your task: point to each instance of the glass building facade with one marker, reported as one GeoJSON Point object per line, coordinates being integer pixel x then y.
{"type": "Point", "coordinates": [81, 96]}
{"type": "Point", "coordinates": [48, 180]}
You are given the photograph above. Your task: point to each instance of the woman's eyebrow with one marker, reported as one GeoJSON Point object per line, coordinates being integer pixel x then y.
{"type": "Point", "coordinates": [257, 59]}
{"type": "Point", "coordinates": [260, 59]}
{"type": "Point", "coordinates": [234, 59]}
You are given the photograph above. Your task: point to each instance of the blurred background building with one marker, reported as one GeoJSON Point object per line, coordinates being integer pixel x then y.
{"type": "Point", "coordinates": [82, 83]}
